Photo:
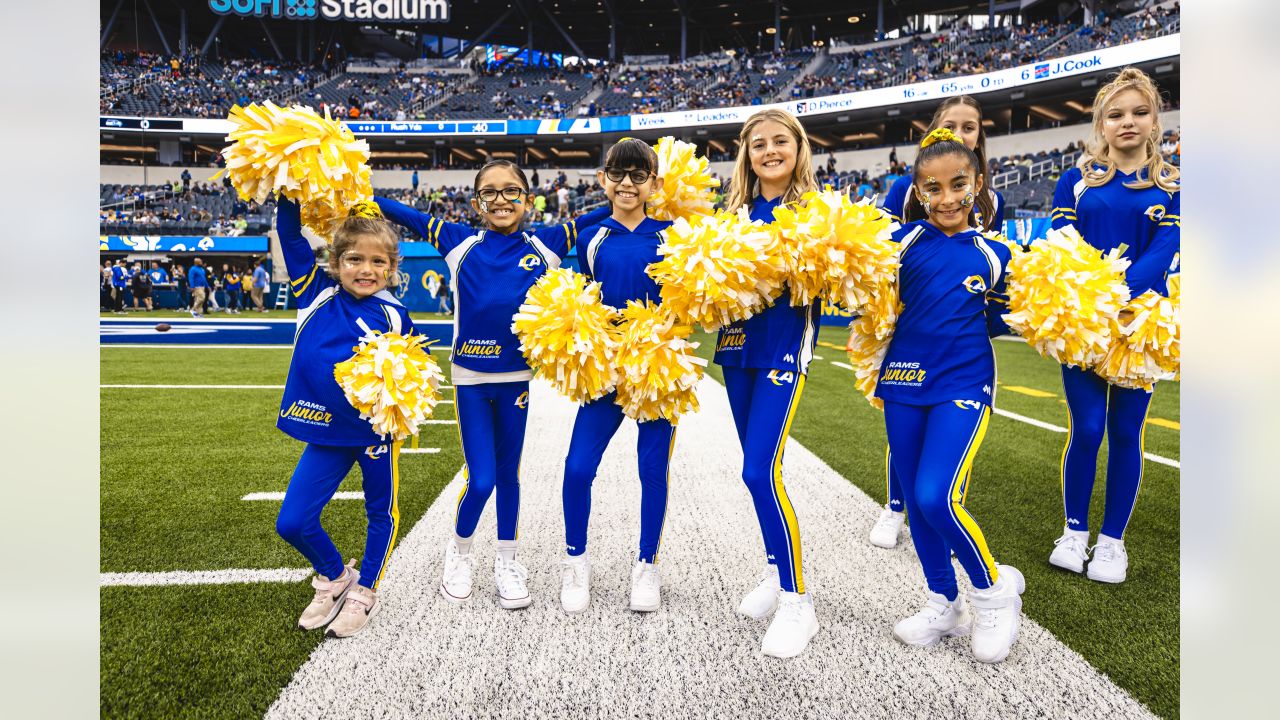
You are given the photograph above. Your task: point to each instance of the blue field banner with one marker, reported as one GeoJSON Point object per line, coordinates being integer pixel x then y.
{"type": "Point", "coordinates": [183, 243]}
{"type": "Point", "coordinates": [219, 331]}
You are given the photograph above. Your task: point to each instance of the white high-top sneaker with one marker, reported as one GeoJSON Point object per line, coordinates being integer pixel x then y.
{"type": "Point", "coordinates": [1070, 551]}
{"type": "Point", "coordinates": [939, 618]}
{"type": "Point", "coordinates": [509, 578]}
{"type": "Point", "coordinates": [1110, 562]}
{"type": "Point", "coordinates": [794, 625]}
{"type": "Point", "coordinates": [887, 529]}
{"type": "Point", "coordinates": [763, 599]}
{"type": "Point", "coordinates": [646, 587]}
{"type": "Point", "coordinates": [997, 612]}
{"type": "Point", "coordinates": [575, 583]}
{"type": "Point", "coordinates": [455, 582]}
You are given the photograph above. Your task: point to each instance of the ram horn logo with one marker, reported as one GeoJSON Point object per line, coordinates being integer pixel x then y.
{"type": "Point", "coordinates": [975, 284]}
{"type": "Point", "coordinates": [1155, 213]}
{"type": "Point", "coordinates": [530, 261]}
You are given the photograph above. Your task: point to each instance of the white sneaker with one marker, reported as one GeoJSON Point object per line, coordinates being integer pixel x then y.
{"type": "Point", "coordinates": [509, 578]}
{"type": "Point", "coordinates": [1110, 563]}
{"type": "Point", "coordinates": [939, 618]}
{"type": "Point", "coordinates": [886, 530]}
{"type": "Point", "coordinates": [575, 583]}
{"type": "Point", "coordinates": [455, 583]}
{"type": "Point", "coordinates": [997, 612]}
{"type": "Point", "coordinates": [646, 587]}
{"type": "Point", "coordinates": [793, 626]}
{"type": "Point", "coordinates": [1070, 551]}
{"type": "Point", "coordinates": [763, 600]}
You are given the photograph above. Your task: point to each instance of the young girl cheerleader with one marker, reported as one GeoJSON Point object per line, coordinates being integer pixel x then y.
{"type": "Point", "coordinates": [338, 308]}
{"type": "Point", "coordinates": [492, 269]}
{"type": "Point", "coordinates": [618, 251]}
{"type": "Point", "coordinates": [1122, 194]}
{"type": "Point", "coordinates": [765, 359]}
{"type": "Point", "coordinates": [961, 115]}
{"type": "Point", "coordinates": [937, 383]}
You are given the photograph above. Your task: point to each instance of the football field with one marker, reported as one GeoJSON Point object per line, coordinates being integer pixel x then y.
{"type": "Point", "coordinates": [199, 596]}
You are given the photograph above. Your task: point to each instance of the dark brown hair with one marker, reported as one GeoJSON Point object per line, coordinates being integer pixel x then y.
{"type": "Point", "coordinates": [985, 201]}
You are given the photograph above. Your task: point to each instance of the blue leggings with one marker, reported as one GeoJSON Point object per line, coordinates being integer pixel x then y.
{"type": "Point", "coordinates": [595, 426]}
{"type": "Point", "coordinates": [320, 471]}
{"type": "Point", "coordinates": [764, 403]}
{"type": "Point", "coordinates": [894, 484]}
{"type": "Point", "coordinates": [491, 423]}
{"type": "Point", "coordinates": [1095, 408]}
{"type": "Point", "coordinates": [933, 448]}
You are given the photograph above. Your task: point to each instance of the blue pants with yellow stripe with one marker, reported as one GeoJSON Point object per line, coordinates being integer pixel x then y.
{"type": "Point", "coordinates": [320, 471]}
{"type": "Point", "coordinates": [764, 403]}
{"type": "Point", "coordinates": [491, 423]}
{"type": "Point", "coordinates": [1094, 408]}
{"type": "Point", "coordinates": [894, 484]}
{"type": "Point", "coordinates": [595, 426]}
{"type": "Point", "coordinates": [933, 447]}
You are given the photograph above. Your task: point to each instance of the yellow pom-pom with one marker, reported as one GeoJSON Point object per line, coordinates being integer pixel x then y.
{"type": "Point", "coordinates": [315, 161]}
{"type": "Point", "coordinates": [569, 335]}
{"type": "Point", "coordinates": [837, 248]}
{"type": "Point", "coordinates": [393, 381]}
{"type": "Point", "coordinates": [718, 269]}
{"type": "Point", "coordinates": [1064, 295]}
{"type": "Point", "coordinates": [1148, 347]}
{"type": "Point", "coordinates": [939, 134]}
{"type": "Point", "coordinates": [686, 181]}
{"type": "Point", "coordinates": [658, 369]}
{"type": "Point", "coordinates": [869, 337]}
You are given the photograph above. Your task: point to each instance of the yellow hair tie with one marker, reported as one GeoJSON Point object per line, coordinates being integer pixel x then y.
{"type": "Point", "coordinates": [365, 209]}
{"type": "Point", "coordinates": [941, 133]}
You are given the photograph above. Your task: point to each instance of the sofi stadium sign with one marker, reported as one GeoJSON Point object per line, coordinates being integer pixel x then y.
{"type": "Point", "coordinates": [380, 10]}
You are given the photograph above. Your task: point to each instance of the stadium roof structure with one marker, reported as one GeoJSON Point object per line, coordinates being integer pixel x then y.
{"type": "Point", "coordinates": [600, 29]}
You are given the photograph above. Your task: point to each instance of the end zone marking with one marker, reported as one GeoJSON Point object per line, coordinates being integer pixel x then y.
{"type": "Point", "coordinates": [1027, 391]}
{"type": "Point", "coordinates": [203, 577]}
{"type": "Point", "coordinates": [1161, 422]}
{"type": "Point", "coordinates": [277, 496]}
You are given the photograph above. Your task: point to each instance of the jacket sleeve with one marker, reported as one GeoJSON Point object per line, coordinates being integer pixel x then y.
{"type": "Point", "coordinates": [1151, 267]}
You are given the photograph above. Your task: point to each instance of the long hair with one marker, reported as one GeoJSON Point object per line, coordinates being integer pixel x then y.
{"type": "Point", "coordinates": [986, 201]}
{"type": "Point", "coordinates": [914, 209]}
{"type": "Point", "coordinates": [1097, 153]}
{"type": "Point", "coordinates": [742, 188]}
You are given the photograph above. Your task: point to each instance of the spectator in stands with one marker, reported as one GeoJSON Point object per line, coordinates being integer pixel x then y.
{"type": "Point", "coordinates": [186, 180]}
{"type": "Point", "coordinates": [199, 280]}
{"type": "Point", "coordinates": [140, 283]}
{"type": "Point", "coordinates": [831, 161]}
{"type": "Point", "coordinates": [415, 181]}
{"type": "Point", "coordinates": [260, 283]}
{"type": "Point", "coordinates": [562, 202]}
{"type": "Point", "coordinates": [540, 204]}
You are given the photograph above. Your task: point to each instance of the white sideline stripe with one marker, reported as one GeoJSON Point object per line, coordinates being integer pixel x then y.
{"type": "Point", "coordinates": [439, 422]}
{"type": "Point", "coordinates": [846, 366]}
{"type": "Point", "coordinates": [228, 387]}
{"type": "Point", "coordinates": [419, 451]}
{"type": "Point", "coordinates": [425, 657]}
{"type": "Point", "coordinates": [1162, 460]}
{"type": "Point", "coordinates": [344, 495]}
{"type": "Point", "coordinates": [203, 577]}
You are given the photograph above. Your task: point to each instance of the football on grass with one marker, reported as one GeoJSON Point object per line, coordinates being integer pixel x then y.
{"type": "Point", "coordinates": [162, 327]}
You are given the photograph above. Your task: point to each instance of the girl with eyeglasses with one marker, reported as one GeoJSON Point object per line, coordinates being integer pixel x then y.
{"type": "Point", "coordinates": [492, 269]}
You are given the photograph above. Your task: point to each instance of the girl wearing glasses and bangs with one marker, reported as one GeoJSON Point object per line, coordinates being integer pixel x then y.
{"type": "Point", "coordinates": [618, 252]}
{"type": "Point", "coordinates": [492, 269]}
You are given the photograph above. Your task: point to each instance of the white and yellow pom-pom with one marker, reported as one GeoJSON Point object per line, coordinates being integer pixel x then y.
{"type": "Point", "coordinates": [393, 381]}
{"type": "Point", "coordinates": [869, 337]}
{"type": "Point", "coordinates": [569, 335]}
{"type": "Point", "coordinates": [718, 269]}
{"type": "Point", "coordinates": [1064, 296]}
{"type": "Point", "coordinates": [687, 185]}
{"type": "Point", "coordinates": [836, 248]}
{"type": "Point", "coordinates": [1147, 348]}
{"type": "Point", "coordinates": [658, 368]}
{"type": "Point", "coordinates": [313, 160]}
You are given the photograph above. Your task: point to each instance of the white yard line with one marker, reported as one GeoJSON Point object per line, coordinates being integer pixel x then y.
{"type": "Point", "coordinates": [203, 577]}
{"type": "Point", "coordinates": [419, 451]}
{"type": "Point", "coordinates": [278, 496]}
{"type": "Point", "coordinates": [424, 657]}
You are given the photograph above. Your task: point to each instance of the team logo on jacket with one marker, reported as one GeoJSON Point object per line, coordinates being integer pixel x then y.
{"type": "Point", "coordinates": [308, 412]}
{"type": "Point", "coordinates": [1155, 213]}
{"type": "Point", "coordinates": [780, 378]}
{"type": "Point", "coordinates": [522, 402]}
{"type": "Point", "coordinates": [376, 451]}
{"type": "Point", "coordinates": [478, 349]}
{"type": "Point", "coordinates": [529, 262]}
{"type": "Point", "coordinates": [907, 374]}
{"type": "Point", "coordinates": [975, 284]}
{"type": "Point", "coordinates": [732, 339]}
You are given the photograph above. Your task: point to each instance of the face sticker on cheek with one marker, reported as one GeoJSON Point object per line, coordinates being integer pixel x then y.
{"type": "Point", "coordinates": [967, 200]}
{"type": "Point", "coordinates": [484, 206]}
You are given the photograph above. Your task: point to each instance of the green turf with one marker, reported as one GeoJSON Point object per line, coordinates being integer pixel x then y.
{"type": "Point", "coordinates": [1129, 631]}
{"type": "Point", "coordinates": [176, 462]}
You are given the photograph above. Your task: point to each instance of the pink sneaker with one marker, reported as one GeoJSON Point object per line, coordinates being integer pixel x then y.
{"type": "Point", "coordinates": [328, 598]}
{"type": "Point", "coordinates": [361, 605]}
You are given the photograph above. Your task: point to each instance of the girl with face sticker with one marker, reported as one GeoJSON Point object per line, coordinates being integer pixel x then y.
{"type": "Point", "coordinates": [765, 361]}
{"type": "Point", "coordinates": [1122, 193]}
{"type": "Point", "coordinates": [490, 271]}
{"type": "Point", "coordinates": [339, 306]}
{"type": "Point", "coordinates": [937, 383]}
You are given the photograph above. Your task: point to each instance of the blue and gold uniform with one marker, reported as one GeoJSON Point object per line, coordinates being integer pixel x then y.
{"type": "Point", "coordinates": [491, 274]}
{"type": "Point", "coordinates": [765, 359]}
{"type": "Point", "coordinates": [938, 383]}
{"type": "Point", "coordinates": [617, 258]}
{"type": "Point", "coordinates": [315, 411]}
{"type": "Point", "coordinates": [1146, 221]}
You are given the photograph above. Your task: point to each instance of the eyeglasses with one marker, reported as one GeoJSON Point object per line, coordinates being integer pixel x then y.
{"type": "Point", "coordinates": [637, 176]}
{"type": "Point", "coordinates": [512, 193]}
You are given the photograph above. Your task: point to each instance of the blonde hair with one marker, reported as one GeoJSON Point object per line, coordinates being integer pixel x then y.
{"type": "Point", "coordinates": [742, 188]}
{"type": "Point", "coordinates": [356, 227]}
{"type": "Point", "coordinates": [1097, 153]}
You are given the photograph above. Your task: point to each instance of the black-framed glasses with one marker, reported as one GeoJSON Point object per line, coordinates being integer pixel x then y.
{"type": "Point", "coordinates": [638, 177]}
{"type": "Point", "coordinates": [512, 193]}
